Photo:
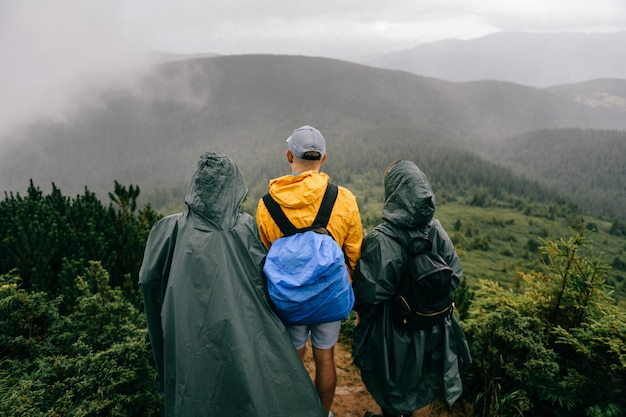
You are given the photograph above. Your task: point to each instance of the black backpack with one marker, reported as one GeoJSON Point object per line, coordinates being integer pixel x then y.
{"type": "Point", "coordinates": [424, 298]}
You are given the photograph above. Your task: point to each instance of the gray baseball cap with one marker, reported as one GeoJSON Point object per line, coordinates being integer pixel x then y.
{"type": "Point", "coordinates": [307, 139]}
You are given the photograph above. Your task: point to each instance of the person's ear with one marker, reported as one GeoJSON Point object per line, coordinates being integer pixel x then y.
{"type": "Point", "coordinates": [323, 159]}
{"type": "Point", "coordinates": [289, 156]}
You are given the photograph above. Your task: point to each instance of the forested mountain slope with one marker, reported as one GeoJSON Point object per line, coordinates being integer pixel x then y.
{"type": "Point", "coordinates": [589, 165]}
{"type": "Point", "coordinates": [152, 134]}
{"type": "Point", "coordinates": [607, 92]}
{"type": "Point", "coordinates": [71, 315]}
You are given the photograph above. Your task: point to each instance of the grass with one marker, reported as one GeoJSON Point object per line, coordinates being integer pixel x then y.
{"type": "Point", "coordinates": [512, 239]}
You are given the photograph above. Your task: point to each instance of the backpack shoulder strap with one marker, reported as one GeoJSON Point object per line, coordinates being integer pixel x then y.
{"type": "Point", "coordinates": [321, 220]}
{"type": "Point", "coordinates": [328, 201]}
{"type": "Point", "coordinates": [279, 216]}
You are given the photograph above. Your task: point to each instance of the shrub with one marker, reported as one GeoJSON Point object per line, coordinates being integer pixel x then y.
{"type": "Point", "coordinates": [95, 361]}
{"type": "Point", "coordinates": [555, 347]}
{"type": "Point", "coordinates": [49, 239]}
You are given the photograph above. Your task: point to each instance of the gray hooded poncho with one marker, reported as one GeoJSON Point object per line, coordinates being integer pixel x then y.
{"type": "Point", "coordinates": [404, 370]}
{"type": "Point", "coordinates": [219, 348]}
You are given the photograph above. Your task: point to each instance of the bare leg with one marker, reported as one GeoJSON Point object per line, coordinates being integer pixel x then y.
{"type": "Point", "coordinates": [302, 351]}
{"type": "Point", "coordinates": [325, 375]}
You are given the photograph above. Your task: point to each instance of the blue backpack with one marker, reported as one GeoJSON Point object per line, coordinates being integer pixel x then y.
{"type": "Point", "coordinates": [307, 277]}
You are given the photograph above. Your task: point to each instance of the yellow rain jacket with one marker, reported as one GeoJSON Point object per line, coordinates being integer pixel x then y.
{"type": "Point", "coordinates": [300, 197]}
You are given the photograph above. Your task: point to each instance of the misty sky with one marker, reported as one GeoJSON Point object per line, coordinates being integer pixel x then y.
{"type": "Point", "coordinates": [52, 52]}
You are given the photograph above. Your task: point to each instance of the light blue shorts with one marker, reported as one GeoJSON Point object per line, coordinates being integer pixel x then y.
{"type": "Point", "coordinates": [323, 336]}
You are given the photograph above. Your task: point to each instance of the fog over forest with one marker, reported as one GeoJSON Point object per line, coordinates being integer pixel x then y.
{"type": "Point", "coordinates": [162, 110]}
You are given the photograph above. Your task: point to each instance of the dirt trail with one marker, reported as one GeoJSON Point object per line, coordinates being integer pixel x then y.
{"type": "Point", "coordinates": [351, 397]}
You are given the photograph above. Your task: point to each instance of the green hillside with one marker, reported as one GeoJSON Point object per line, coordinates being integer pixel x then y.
{"type": "Point", "coordinates": [246, 106]}
{"type": "Point", "coordinates": [606, 92]}
{"type": "Point", "coordinates": [509, 165]}
{"type": "Point", "coordinates": [587, 164]}
{"type": "Point", "coordinates": [497, 234]}
{"type": "Point", "coordinates": [73, 336]}
{"type": "Point", "coordinates": [537, 183]}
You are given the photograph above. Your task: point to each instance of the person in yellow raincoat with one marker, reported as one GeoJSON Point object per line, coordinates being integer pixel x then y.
{"type": "Point", "coordinates": [300, 194]}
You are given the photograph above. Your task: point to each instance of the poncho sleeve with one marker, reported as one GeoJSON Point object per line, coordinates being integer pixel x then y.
{"type": "Point", "coordinates": [153, 277]}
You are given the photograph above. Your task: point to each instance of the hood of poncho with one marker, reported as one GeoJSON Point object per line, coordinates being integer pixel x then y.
{"type": "Point", "coordinates": [409, 199]}
{"type": "Point", "coordinates": [216, 175]}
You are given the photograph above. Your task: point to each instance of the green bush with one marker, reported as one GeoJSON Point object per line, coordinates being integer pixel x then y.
{"type": "Point", "coordinates": [554, 347]}
{"type": "Point", "coordinates": [95, 361]}
{"type": "Point", "coordinates": [49, 239]}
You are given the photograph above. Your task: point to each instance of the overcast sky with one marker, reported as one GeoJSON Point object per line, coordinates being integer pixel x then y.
{"type": "Point", "coordinates": [51, 50]}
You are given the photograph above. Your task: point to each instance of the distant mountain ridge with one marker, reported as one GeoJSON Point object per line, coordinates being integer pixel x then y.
{"type": "Point", "coordinates": [533, 59]}
{"type": "Point", "coordinates": [246, 106]}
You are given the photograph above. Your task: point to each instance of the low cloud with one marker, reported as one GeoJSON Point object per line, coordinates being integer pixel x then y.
{"type": "Point", "coordinates": [56, 55]}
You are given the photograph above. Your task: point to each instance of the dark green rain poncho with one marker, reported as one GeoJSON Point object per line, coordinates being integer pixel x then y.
{"type": "Point", "coordinates": [219, 348]}
{"type": "Point", "coordinates": [403, 370]}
